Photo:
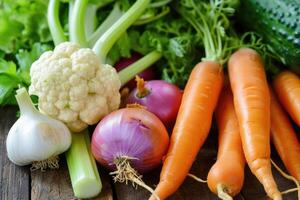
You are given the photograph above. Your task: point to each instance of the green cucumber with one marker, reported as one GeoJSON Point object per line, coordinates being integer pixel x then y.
{"type": "Point", "coordinates": [278, 22]}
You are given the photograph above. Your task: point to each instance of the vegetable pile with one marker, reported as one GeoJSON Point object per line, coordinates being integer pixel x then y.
{"type": "Point", "coordinates": [195, 63]}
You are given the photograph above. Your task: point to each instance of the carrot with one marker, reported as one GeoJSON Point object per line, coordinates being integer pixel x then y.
{"type": "Point", "coordinates": [284, 138]}
{"type": "Point", "coordinates": [287, 88]}
{"type": "Point", "coordinates": [192, 125]}
{"type": "Point", "coordinates": [226, 177]}
{"type": "Point", "coordinates": [252, 106]}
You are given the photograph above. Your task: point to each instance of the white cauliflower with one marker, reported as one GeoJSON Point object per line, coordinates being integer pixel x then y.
{"type": "Point", "coordinates": [73, 86]}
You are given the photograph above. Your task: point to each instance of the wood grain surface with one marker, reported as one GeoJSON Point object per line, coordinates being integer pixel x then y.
{"type": "Point", "coordinates": [18, 183]}
{"type": "Point", "coordinates": [14, 180]}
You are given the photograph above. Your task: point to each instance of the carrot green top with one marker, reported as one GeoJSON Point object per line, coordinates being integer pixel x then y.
{"type": "Point", "coordinates": [210, 20]}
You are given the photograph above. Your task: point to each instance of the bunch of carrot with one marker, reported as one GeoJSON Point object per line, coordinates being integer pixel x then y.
{"type": "Point", "coordinates": [247, 115]}
{"type": "Point", "coordinates": [247, 119]}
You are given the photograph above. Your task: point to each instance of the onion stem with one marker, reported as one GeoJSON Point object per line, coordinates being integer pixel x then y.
{"type": "Point", "coordinates": [142, 91]}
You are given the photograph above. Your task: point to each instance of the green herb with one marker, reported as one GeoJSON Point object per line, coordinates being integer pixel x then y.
{"type": "Point", "coordinates": [175, 40]}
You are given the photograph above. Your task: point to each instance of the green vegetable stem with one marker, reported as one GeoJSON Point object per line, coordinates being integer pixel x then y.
{"type": "Point", "coordinates": [107, 40]}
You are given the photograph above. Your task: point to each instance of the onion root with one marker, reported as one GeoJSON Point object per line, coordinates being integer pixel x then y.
{"type": "Point", "coordinates": [125, 173]}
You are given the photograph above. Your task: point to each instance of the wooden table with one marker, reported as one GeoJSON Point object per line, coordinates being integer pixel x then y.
{"type": "Point", "coordinates": [18, 183]}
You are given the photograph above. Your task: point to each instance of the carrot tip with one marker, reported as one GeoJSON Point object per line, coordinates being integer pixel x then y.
{"type": "Point", "coordinates": [222, 192]}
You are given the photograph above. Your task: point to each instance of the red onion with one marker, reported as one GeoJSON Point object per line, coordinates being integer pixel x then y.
{"type": "Point", "coordinates": [130, 132]}
{"type": "Point", "coordinates": [130, 141]}
{"type": "Point", "coordinates": [147, 74]}
{"type": "Point", "coordinates": [159, 97]}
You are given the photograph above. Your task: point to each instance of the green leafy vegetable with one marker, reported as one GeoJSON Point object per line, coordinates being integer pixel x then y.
{"type": "Point", "coordinates": [12, 77]}
{"type": "Point", "coordinates": [8, 80]}
{"type": "Point", "coordinates": [175, 40]}
{"type": "Point", "coordinates": [22, 23]}
{"type": "Point", "coordinates": [211, 23]}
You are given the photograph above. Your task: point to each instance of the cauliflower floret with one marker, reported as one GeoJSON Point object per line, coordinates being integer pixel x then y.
{"type": "Point", "coordinates": [73, 86]}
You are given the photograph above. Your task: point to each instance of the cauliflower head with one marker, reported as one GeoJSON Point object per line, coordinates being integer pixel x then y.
{"type": "Point", "coordinates": [73, 86]}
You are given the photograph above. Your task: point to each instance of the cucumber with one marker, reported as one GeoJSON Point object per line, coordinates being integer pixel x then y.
{"type": "Point", "coordinates": [278, 22]}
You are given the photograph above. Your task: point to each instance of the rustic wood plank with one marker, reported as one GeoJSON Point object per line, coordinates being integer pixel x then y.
{"type": "Point", "coordinates": [14, 180]}
{"type": "Point", "coordinates": [52, 184]}
{"type": "Point", "coordinates": [56, 184]}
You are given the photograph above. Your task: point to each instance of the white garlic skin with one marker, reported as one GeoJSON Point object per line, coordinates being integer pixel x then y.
{"type": "Point", "coordinates": [36, 137]}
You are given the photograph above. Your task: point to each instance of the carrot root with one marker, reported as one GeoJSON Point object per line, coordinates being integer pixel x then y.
{"type": "Point", "coordinates": [290, 190]}
{"type": "Point", "coordinates": [289, 177]}
{"type": "Point", "coordinates": [222, 192]}
{"type": "Point", "coordinates": [196, 178]}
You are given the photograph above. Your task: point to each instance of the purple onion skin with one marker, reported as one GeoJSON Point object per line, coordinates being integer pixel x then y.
{"type": "Point", "coordinates": [132, 132]}
{"type": "Point", "coordinates": [147, 74]}
{"type": "Point", "coordinates": [163, 100]}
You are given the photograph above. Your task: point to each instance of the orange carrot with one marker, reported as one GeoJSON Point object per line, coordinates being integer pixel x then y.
{"type": "Point", "coordinates": [192, 125]}
{"type": "Point", "coordinates": [284, 138]}
{"type": "Point", "coordinates": [287, 88]}
{"type": "Point", "coordinates": [252, 106]}
{"type": "Point", "coordinates": [226, 177]}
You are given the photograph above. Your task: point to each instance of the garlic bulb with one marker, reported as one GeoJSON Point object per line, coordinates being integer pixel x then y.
{"type": "Point", "coordinates": [35, 137]}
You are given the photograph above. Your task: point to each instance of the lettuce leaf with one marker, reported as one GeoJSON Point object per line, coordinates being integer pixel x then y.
{"type": "Point", "coordinates": [11, 76]}
{"type": "Point", "coordinates": [22, 23]}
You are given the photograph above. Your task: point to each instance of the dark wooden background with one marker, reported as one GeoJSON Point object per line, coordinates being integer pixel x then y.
{"type": "Point", "coordinates": [18, 183]}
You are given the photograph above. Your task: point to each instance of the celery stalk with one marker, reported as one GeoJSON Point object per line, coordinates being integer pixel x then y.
{"type": "Point", "coordinates": [113, 16]}
{"type": "Point", "coordinates": [55, 27]}
{"type": "Point", "coordinates": [137, 67]}
{"type": "Point", "coordinates": [83, 171]}
{"type": "Point", "coordinates": [111, 35]}
{"type": "Point", "coordinates": [77, 23]}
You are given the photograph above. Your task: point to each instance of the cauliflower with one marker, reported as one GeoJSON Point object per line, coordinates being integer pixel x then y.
{"type": "Point", "coordinates": [73, 86]}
